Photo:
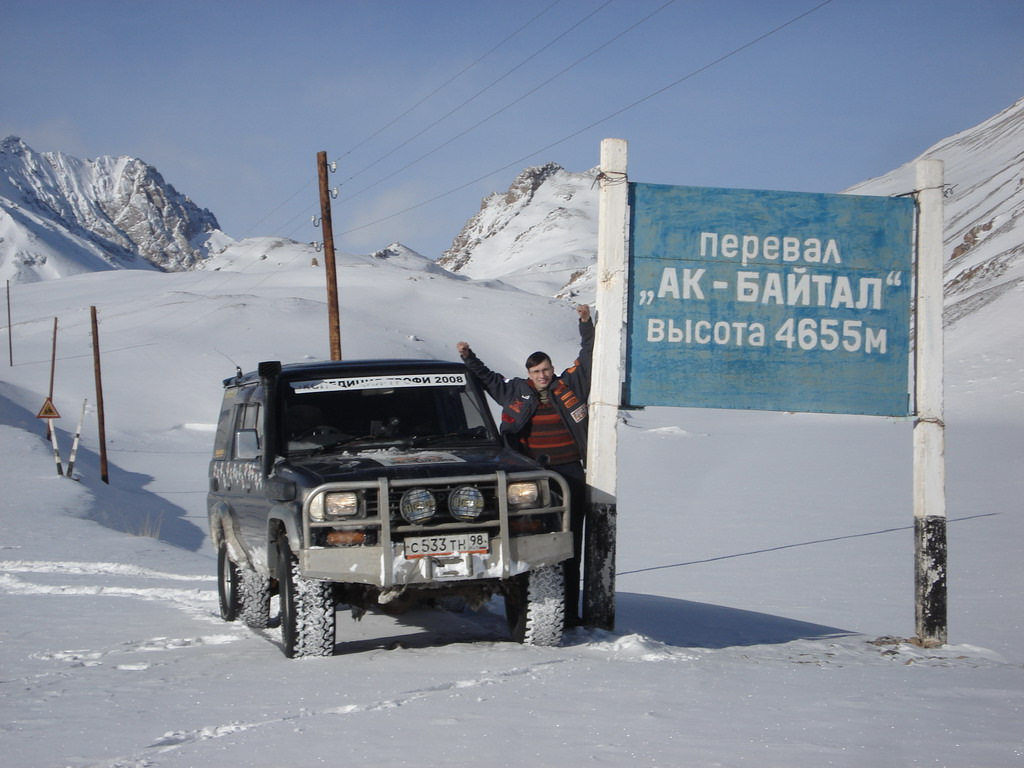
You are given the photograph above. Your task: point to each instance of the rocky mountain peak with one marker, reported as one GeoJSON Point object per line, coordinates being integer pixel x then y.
{"type": "Point", "coordinates": [60, 215]}
{"type": "Point", "coordinates": [496, 212]}
{"type": "Point", "coordinates": [538, 234]}
{"type": "Point", "coordinates": [528, 182]}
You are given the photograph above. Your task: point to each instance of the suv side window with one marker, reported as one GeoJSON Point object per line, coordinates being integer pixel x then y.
{"type": "Point", "coordinates": [248, 430]}
{"type": "Point", "coordinates": [225, 426]}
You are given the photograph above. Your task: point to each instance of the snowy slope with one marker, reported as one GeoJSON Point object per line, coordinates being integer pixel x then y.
{"type": "Point", "coordinates": [540, 235]}
{"type": "Point", "coordinates": [984, 209]}
{"type": "Point", "coordinates": [759, 557]}
{"type": "Point", "coordinates": [764, 568]}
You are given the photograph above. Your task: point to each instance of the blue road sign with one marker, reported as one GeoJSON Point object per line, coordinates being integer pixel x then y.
{"type": "Point", "coordinates": [769, 300]}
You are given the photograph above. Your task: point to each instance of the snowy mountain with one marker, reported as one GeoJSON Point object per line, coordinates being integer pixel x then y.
{"type": "Point", "coordinates": [61, 216]}
{"type": "Point", "coordinates": [984, 209]}
{"type": "Point", "coordinates": [540, 235]}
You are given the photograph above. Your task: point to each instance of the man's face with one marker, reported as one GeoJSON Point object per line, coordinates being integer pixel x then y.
{"type": "Point", "coordinates": [541, 375]}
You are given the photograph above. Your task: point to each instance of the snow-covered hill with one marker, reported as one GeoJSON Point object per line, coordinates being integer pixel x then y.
{"type": "Point", "coordinates": [540, 235]}
{"type": "Point", "coordinates": [764, 560]}
{"type": "Point", "coordinates": [61, 216]}
{"type": "Point", "coordinates": [984, 209]}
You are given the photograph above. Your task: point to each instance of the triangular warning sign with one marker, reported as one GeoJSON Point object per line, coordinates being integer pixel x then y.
{"type": "Point", "coordinates": [48, 411]}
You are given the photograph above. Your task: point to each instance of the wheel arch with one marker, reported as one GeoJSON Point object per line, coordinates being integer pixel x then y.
{"type": "Point", "coordinates": [224, 531]}
{"type": "Point", "coordinates": [281, 522]}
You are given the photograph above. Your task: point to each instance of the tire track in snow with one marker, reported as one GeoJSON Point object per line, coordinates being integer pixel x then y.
{"type": "Point", "coordinates": [175, 739]}
{"type": "Point", "coordinates": [88, 580]}
{"type": "Point", "coordinates": [93, 579]}
{"type": "Point", "coordinates": [86, 568]}
{"type": "Point", "coordinates": [197, 602]}
{"type": "Point", "coordinates": [87, 658]}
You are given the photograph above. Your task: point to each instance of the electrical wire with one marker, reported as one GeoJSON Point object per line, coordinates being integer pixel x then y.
{"type": "Point", "coordinates": [304, 212]}
{"type": "Point", "coordinates": [394, 120]}
{"type": "Point", "coordinates": [448, 82]}
{"type": "Point", "coordinates": [478, 94]}
{"type": "Point", "coordinates": [510, 104]}
{"type": "Point", "coordinates": [519, 161]}
{"type": "Point", "coordinates": [594, 124]}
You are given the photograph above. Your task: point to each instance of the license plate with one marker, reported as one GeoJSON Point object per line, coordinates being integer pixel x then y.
{"type": "Point", "coordinates": [452, 544]}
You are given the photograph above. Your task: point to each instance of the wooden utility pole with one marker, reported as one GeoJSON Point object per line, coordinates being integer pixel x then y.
{"type": "Point", "coordinates": [53, 359]}
{"type": "Point", "coordinates": [929, 428]}
{"type": "Point", "coordinates": [99, 396]}
{"type": "Point", "coordinates": [10, 328]}
{"type": "Point", "coordinates": [606, 390]}
{"type": "Point", "coordinates": [332, 280]}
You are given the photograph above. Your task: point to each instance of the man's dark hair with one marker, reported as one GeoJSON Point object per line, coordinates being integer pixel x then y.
{"type": "Point", "coordinates": [536, 359]}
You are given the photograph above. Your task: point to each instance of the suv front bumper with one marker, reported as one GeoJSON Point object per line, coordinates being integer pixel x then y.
{"type": "Point", "coordinates": [385, 565]}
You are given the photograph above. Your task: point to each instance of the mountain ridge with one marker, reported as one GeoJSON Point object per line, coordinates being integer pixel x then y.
{"type": "Point", "coordinates": [61, 215]}
{"type": "Point", "coordinates": [983, 232]}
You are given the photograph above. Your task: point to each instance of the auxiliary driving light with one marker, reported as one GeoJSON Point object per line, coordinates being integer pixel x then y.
{"type": "Point", "coordinates": [466, 503]}
{"type": "Point", "coordinates": [417, 505]}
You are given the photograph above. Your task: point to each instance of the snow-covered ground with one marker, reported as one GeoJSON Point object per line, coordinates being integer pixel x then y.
{"type": "Point", "coordinates": [759, 555]}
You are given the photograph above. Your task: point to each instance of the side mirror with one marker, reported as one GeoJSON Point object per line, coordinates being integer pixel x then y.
{"type": "Point", "coordinates": [247, 444]}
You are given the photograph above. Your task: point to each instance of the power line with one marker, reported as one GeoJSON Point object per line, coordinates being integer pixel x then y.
{"type": "Point", "coordinates": [477, 95]}
{"type": "Point", "coordinates": [394, 120]}
{"type": "Point", "coordinates": [519, 161]}
{"type": "Point", "coordinates": [536, 53]}
{"type": "Point", "coordinates": [512, 103]}
{"type": "Point", "coordinates": [447, 82]}
{"type": "Point", "coordinates": [596, 123]}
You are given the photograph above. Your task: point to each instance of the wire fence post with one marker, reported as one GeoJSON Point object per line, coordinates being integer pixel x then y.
{"type": "Point", "coordinates": [74, 444]}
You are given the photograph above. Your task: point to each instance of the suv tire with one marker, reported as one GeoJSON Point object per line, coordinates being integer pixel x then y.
{"type": "Point", "coordinates": [227, 584]}
{"type": "Point", "coordinates": [253, 598]}
{"type": "Point", "coordinates": [307, 609]}
{"type": "Point", "coordinates": [535, 606]}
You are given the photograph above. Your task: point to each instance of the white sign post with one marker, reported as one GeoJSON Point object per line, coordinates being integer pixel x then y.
{"type": "Point", "coordinates": [929, 428]}
{"type": "Point", "coordinates": [606, 390]}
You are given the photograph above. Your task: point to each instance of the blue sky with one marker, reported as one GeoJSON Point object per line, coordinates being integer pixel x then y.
{"type": "Point", "coordinates": [430, 106]}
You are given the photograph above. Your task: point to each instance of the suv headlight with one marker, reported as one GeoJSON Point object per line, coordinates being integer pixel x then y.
{"type": "Point", "coordinates": [417, 505]}
{"type": "Point", "coordinates": [523, 494]}
{"type": "Point", "coordinates": [330, 506]}
{"type": "Point", "coordinates": [466, 503]}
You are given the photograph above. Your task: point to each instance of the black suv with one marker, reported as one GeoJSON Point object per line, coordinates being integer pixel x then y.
{"type": "Point", "coordinates": [378, 482]}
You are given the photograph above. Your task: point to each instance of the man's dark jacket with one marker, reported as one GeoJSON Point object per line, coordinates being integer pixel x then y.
{"type": "Point", "coordinates": [519, 400]}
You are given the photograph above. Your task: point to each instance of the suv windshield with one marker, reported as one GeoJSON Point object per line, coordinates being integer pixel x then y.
{"type": "Point", "coordinates": [319, 415]}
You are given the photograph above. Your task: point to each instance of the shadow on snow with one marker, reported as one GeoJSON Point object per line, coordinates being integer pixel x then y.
{"type": "Point", "coordinates": [124, 505]}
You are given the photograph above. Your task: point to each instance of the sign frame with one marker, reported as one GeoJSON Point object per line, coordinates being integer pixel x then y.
{"type": "Point", "coordinates": [769, 300]}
